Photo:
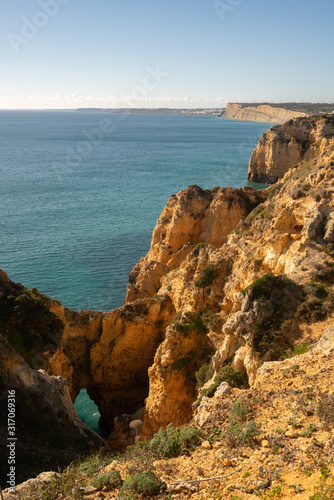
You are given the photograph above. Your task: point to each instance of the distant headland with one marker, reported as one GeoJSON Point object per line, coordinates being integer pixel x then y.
{"type": "Point", "coordinates": [257, 112]}
{"type": "Point", "coordinates": [159, 111]}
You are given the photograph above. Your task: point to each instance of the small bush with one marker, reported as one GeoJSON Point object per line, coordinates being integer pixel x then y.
{"type": "Point", "coordinates": [208, 392]}
{"type": "Point", "coordinates": [198, 248]}
{"type": "Point", "coordinates": [238, 411]}
{"type": "Point", "coordinates": [111, 479]}
{"type": "Point", "coordinates": [95, 462]}
{"type": "Point", "coordinates": [248, 432]}
{"type": "Point", "coordinates": [301, 349]}
{"type": "Point", "coordinates": [235, 378]}
{"type": "Point", "coordinates": [206, 276]}
{"type": "Point", "coordinates": [329, 249]}
{"type": "Point", "coordinates": [144, 483]}
{"type": "Point", "coordinates": [172, 442]}
{"type": "Point", "coordinates": [308, 432]}
{"type": "Point", "coordinates": [244, 433]}
{"type": "Point", "coordinates": [204, 374]}
{"type": "Point", "coordinates": [191, 322]}
{"type": "Point", "coordinates": [263, 287]}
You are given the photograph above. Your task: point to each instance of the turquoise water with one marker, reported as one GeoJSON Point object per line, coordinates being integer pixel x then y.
{"type": "Point", "coordinates": [87, 410]}
{"type": "Point", "coordinates": [79, 197]}
{"type": "Point", "coordinates": [76, 215]}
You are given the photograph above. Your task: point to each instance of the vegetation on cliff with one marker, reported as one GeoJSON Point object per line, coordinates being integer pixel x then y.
{"type": "Point", "coordinates": [303, 107]}
{"type": "Point", "coordinates": [26, 321]}
{"type": "Point", "coordinates": [220, 329]}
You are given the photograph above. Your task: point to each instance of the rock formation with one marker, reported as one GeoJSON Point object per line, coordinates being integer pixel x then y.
{"type": "Point", "coordinates": [260, 113]}
{"type": "Point", "coordinates": [230, 276]}
{"type": "Point", "coordinates": [47, 429]}
{"type": "Point", "coordinates": [286, 145]}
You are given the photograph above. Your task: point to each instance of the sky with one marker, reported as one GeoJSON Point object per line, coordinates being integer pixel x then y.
{"type": "Point", "coordinates": [65, 54]}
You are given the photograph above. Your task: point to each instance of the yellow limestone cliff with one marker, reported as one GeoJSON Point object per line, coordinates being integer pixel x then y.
{"type": "Point", "coordinates": [286, 145]}
{"type": "Point", "coordinates": [260, 113]}
{"type": "Point", "coordinates": [224, 284]}
{"type": "Point", "coordinates": [188, 301]}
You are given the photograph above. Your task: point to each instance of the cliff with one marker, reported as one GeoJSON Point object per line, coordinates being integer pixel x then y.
{"type": "Point", "coordinates": [261, 113]}
{"type": "Point", "coordinates": [47, 429]}
{"type": "Point", "coordinates": [287, 145]}
{"type": "Point", "coordinates": [236, 283]}
{"type": "Point", "coordinates": [184, 305]}
{"type": "Point", "coordinates": [220, 329]}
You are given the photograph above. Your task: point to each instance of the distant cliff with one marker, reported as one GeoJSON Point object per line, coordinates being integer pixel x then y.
{"type": "Point", "coordinates": [261, 113]}
{"type": "Point", "coordinates": [285, 145]}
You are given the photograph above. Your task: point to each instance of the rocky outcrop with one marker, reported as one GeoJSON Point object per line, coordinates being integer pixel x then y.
{"type": "Point", "coordinates": [285, 146]}
{"type": "Point", "coordinates": [210, 291]}
{"type": "Point", "coordinates": [45, 424]}
{"type": "Point", "coordinates": [283, 235]}
{"type": "Point", "coordinates": [260, 113]}
{"type": "Point", "coordinates": [192, 216]}
{"type": "Point", "coordinates": [172, 382]}
{"type": "Point", "coordinates": [110, 354]}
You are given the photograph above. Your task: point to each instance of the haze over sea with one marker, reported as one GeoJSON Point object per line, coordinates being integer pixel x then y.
{"type": "Point", "coordinates": [80, 194]}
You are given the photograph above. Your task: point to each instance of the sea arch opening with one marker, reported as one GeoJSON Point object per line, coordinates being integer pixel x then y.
{"type": "Point", "coordinates": [88, 411]}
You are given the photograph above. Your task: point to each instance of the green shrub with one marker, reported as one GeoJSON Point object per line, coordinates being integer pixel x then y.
{"type": "Point", "coordinates": [206, 276]}
{"type": "Point", "coordinates": [238, 411]}
{"type": "Point", "coordinates": [204, 374]}
{"type": "Point", "coordinates": [198, 248]}
{"type": "Point", "coordinates": [247, 432]}
{"type": "Point", "coordinates": [309, 430]}
{"type": "Point", "coordinates": [181, 363]}
{"type": "Point", "coordinates": [243, 432]}
{"type": "Point", "coordinates": [190, 322]}
{"type": "Point", "coordinates": [235, 378]}
{"type": "Point", "coordinates": [263, 287]}
{"type": "Point", "coordinates": [144, 483]}
{"type": "Point", "coordinates": [238, 429]}
{"type": "Point", "coordinates": [207, 392]}
{"type": "Point", "coordinates": [111, 479]}
{"type": "Point", "coordinates": [94, 462]}
{"type": "Point", "coordinates": [172, 442]}
{"type": "Point", "coordinates": [300, 349]}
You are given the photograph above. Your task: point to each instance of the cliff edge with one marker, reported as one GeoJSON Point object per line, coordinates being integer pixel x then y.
{"type": "Point", "coordinates": [261, 113]}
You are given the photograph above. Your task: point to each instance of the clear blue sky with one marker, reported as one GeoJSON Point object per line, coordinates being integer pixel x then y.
{"type": "Point", "coordinates": [168, 53]}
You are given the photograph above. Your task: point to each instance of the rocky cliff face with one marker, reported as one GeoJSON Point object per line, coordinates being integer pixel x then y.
{"type": "Point", "coordinates": [48, 430]}
{"type": "Point", "coordinates": [285, 146]}
{"type": "Point", "coordinates": [261, 113]}
{"type": "Point", "coordinates": [188, 301]}
{"type": "Point", "coordinates": [230, 277]}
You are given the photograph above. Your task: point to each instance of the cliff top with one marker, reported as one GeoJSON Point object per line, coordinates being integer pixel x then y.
{"type": "Point", "coordinates": [303, 107]}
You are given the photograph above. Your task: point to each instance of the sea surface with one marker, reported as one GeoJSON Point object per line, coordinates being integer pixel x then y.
{"type": "Point", "coordinates": [80, 193]}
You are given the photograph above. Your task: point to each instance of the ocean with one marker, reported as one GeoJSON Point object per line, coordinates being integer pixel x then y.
{"type": "Point", "coordinates": [80, 193]}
